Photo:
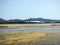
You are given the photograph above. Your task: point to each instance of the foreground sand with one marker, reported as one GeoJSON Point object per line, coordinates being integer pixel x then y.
{"type": "Point", "coordinates": [18, 25]}
{"type": "Point", "coordinates": [30, 37]}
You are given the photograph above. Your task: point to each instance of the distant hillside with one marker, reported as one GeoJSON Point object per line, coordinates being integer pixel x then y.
{"type": "Point", "coordinates": [2, 20]}
{"type": "Point", "coordinates": [42, 19]}
{"type": "Point", "coordinates": [39, 19]}
{"type": "Point", "coordinates": [15, 20]}
{"type": "Point", "coordinates": [30, 19]}
{"type": "Point", "coordinates": [11, 21]}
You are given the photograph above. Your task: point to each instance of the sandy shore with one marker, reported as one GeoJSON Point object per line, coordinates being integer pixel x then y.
{"type": "Point", "coordinates": [18, 25]}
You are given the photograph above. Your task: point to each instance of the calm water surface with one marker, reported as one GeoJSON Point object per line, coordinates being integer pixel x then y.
{"type": "Point", "coordinates": [55, 28]}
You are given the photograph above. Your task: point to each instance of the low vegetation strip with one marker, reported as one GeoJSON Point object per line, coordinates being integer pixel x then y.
{"type": "Point", "coordinates": [29, 37]}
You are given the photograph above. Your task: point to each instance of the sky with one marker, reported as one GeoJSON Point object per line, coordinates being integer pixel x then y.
{"type": "Point", "coordinates": [24, 9]}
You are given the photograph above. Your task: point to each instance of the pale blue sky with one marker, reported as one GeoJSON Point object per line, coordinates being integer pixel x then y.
{"type": "Point", "coordinates": [23, 9]}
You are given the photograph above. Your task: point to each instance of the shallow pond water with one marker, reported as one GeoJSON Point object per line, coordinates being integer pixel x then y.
{"type": "Point", "coordinates": [55, 28]}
